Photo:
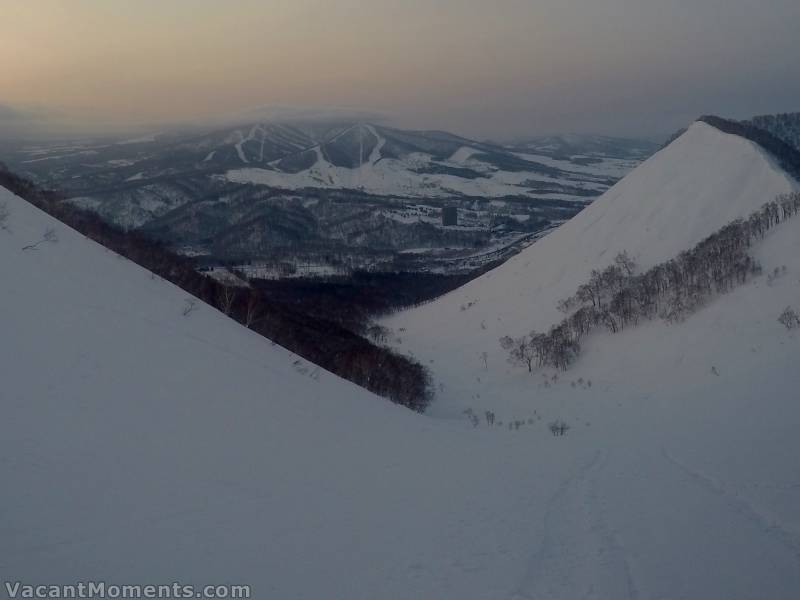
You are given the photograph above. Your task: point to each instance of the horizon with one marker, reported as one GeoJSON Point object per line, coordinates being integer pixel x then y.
{"type": "Point", "coordinates": [93, 67]}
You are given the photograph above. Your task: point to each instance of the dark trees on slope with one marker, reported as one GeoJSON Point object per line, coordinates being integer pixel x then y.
{"type": "Point", "coordinates": [318, 340]}
{"type": "Point", "coordinates": [617, 296]}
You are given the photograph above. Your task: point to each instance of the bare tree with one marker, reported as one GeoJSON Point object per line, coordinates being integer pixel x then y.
{"type": "Point", "coordinates": [226, 297]}
{"type": "Point", "coordinates": [378, 333]}
{"type": "Point", "coordinates": [190, 305]}
{"type": "Point", "coordinates": [625, 262]}
{"type": "Point", "coordinates": [485, 359]}
{"type": "Point", "coordinates": [789, 318]}
{"type": "Point", "coordinates": [4, 215]}
{"type": "Point", "coordinates": [521, 351]}
{"type": "Point", "coordinates": [49, 237]}
{"type": "Point", "coordinates": [251, 314]}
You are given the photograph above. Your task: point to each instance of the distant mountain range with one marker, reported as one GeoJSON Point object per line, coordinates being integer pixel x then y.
{"type": "Point", "coordinates": [392, 162]}
{"type": "Point", "coordinates": [363, 192]}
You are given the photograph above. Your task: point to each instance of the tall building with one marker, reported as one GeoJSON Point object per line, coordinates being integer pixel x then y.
{"type": "Point", "coordinates": [449, 216]}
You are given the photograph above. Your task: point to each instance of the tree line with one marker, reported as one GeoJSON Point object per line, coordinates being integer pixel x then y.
{"type": "Point", "coordinates": [786, 154]}
{"type": "Point", "coordinates": [317, 339]}
{"type": "Point", "coordinates": [618, 296]}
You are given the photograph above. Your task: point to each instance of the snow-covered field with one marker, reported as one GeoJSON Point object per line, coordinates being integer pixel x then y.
{"type": "Point", "coordinates": [141, 445]}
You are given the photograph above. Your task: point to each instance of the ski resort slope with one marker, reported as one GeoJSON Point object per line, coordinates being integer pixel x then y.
{"type": "Point", "coordinates": [419, 175]}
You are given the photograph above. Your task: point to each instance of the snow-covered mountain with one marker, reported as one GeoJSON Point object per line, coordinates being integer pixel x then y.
{"type": "Point", "coordinates": [353, 155]}
{"type": "Point", "coordinates": [142, 445]}
{"type": "Point", "coordinates": [272, 191]}
{"type": "Point", "coordinates": [688, 455]}
{"type": "Point", "coordinates": [687, 191]}
{"type": "Point", "coordinates": [391, 162]}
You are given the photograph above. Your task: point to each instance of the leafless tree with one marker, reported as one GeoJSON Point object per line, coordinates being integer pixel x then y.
{"type": "Point", "coordinates": [4, 215]}
{"type": "Point", "coordinates": [625, 262]}
{"type": "Point", "coordinates": [521, 351]}
{"type": "Point", "coordinates": [789, 318]}
{"type": "Point", "coordinates": [618, 296]}
{"type": "Point", "coordinates": [378, 333]}
{"type": "Point", "coordinates": [190, 305]}
{"type": "Point", "coordinates": [558, 428]}
{"type": "Point", "coordinates": [227, 296]}
{"type": "Point", "coordinates": [251, 314]}
{"type": "Point", "coordinates": [49, 237]}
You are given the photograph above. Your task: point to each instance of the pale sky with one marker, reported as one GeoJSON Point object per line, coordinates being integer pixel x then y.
{"type": "Point", "coordinates": [501, 68]}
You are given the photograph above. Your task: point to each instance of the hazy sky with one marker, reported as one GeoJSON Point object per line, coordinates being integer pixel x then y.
{"type": "Point", "coordinates": [489, 68]}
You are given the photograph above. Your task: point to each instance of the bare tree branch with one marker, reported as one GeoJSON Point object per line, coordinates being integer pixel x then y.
{"type": "Point", "coordinates": [49, 237]}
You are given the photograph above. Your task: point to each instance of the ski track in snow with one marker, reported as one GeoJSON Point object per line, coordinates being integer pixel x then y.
{"type": "Point", "coordinates": [736, 504]}
{"type": "Point", "coordinates": [578, 545]}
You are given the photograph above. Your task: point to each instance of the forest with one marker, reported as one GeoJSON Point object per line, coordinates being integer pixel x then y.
{"type": "Point", "coordinates": [318, 339]}
{"type": "Point", "coordinates": [786, 154]}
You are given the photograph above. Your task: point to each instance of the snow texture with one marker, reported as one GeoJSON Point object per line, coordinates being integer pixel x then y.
{"type": "Point", "coordinates": [139, 445]}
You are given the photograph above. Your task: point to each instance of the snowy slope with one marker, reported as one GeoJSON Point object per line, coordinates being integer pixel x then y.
{"type": "Point", "coordinates": [687, 191]}
{"type": "Point", "coordinates": [141, 446]}
{"type": "Point", "coordinates": [689, 485]}
{"type": "Point", "coordinates": [396, 178]}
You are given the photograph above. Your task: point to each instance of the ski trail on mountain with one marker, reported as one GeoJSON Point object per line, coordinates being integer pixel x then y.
{"type": "Point", "coordinates": [375, 155]}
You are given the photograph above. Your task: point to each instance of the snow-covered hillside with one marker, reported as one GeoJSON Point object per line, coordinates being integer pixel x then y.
{"type": "Point", "coordinates": [696, 185]}
{"type": "Point", "coordinates": [139, 445]}
{"type": "Point", "coordinates": [143, 446]}
{"type": "Point", "coordinates": [689, 487]}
